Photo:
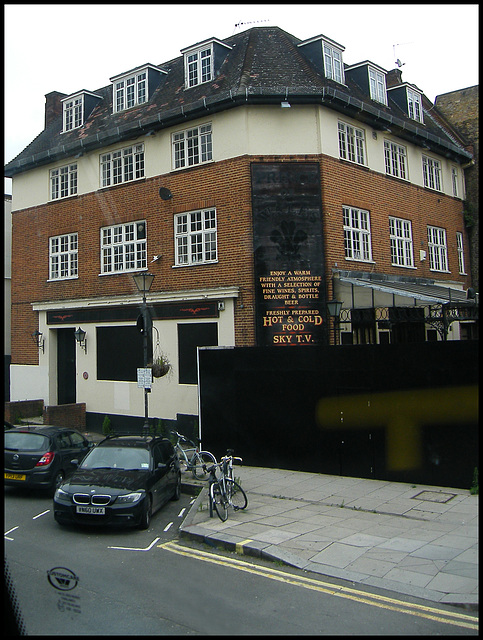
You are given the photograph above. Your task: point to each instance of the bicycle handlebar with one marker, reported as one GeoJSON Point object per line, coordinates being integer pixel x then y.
{"type": "Point", "coordinates": [234, 458]}
{"type": "Point", "coordinates": [183, 438]}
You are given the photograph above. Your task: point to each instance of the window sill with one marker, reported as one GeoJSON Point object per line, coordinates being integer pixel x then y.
{"type": "Point", "coordinates": [122, 184]}
{"type": "Point", "coordinates": [122, 273]}
{"type": "Point", "coordinates": [63, 279]}
{"type": "Point", "coordinates": [193, 166]}
{"type": "Point", "coordinates": [352, 163]}
{"type": "Point", "coordinates": [53, 200]}
{"type": "Point", "coordinates": [398, 179]}
{"type": "Point", "coordinates": [194, 264]}
{"type": "Point", "coordinates": [360, 260]}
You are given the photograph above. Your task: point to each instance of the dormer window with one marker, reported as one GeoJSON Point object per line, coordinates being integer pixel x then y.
{"type": "Point", "coordinates": [409, 100]}
{"type": "Point", "coordinates": [333, 67]}
{"type": "Point", "coordinates": [134, 87]}
{"type": "Point", "coordinates": [415, 107]}
{"type": "Point", "coordinates": [199, 67]}
{"type": "Point", "coordinates": [377, 85]}
{"type": "Point", "coordinates": [202, 61]}
{"type": "Point", "coordinates": [73, 113]}
{"type": "Point", "coordinates": [77, 108]}
{"type": "Point", "coordinates": [370, 78]}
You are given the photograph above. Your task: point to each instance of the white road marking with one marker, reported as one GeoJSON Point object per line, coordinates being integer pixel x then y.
{"type": "Point", "coordinates": [134, 548]}
{"type": "Point", "coordinates": [180, 514]}
{"type": "Point", "coordinates": [168, 526]}
{"type": "Point", "coordinates": [41, 514]}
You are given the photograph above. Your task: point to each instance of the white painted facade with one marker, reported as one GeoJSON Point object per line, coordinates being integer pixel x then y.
{"type": "Point", "coordinates": [251, 130]}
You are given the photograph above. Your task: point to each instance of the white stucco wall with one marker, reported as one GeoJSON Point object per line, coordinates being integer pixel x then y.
{"type": "Point", "coordinates": [252, 130]}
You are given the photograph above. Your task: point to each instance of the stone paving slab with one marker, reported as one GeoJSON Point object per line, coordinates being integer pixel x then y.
{"type": "Point", "coordinates": [377, 533]}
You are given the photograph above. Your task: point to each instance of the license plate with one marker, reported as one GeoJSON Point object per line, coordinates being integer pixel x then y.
{"type": "Point", "coordinates": [95, 511]}
{"type": "Point", "coordinates": [15, 476]}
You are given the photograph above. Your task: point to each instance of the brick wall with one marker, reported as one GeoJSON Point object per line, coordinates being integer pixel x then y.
{"type": "Point", "coordinates": [227, 186]}
{"type": "Point", "coordinates": [66, 415]}
{"type": "Point", "coordinates": [18, 409]}
{"type": "Point", "coordinates": [461, 109]}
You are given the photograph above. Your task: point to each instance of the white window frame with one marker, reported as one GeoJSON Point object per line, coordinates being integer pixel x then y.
{"type": "Point", "coordinates": [333, 65]}
{"type": "Point", "coordinates": [432, 173]}
{"type": "Point", "coordinates": [73, 113]}
{"type": "Point", "coordinates": [192, 147]}
{"type": "Point", "coordinates": [401, 239]}
{"type": "Point", "coordinates": [352, 143]}
{"type": "Point", "coordinates": [438, 249]}
{"type": "Point", "coordinates": [377, 85]}
{"type": "Point", "coordinates": [121, 165]}
{"type": "Point", "coordinates": [63, 182]}
{"type": "Point", "coordinates": [198, 66]}
{"type": "Point", "coordinates": [129, 91]}
{"type": "Point", "coordinates": [63, 257]}
{"type": "Point", "coordinates": [196, 237]}
{"type": "Point", "coordinates": [454, 181]}
{"type": "Point", "coordinates": [123, 247]}
{"type": "Point", "coordinates": [415, 105]}
{"type": "Point", "coordinates": [357, 234]}
{"type": "Point", "coordinates": [395, 158]}
{"type": "Point", "coordinates": [461, 253]}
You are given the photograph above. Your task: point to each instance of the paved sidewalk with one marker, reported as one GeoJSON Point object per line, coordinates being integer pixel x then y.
{"type": "Point", "coordinates": [412, 539]}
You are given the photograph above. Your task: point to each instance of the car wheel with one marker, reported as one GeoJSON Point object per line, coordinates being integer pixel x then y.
{"type": "Point", "coordinates": [177, 489]}
{"type": "Point", "coordinates": [147, 513]}
{"type": "Point", "coordinates": [58, 480]}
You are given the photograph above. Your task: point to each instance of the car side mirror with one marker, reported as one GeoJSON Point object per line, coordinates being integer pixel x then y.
{"type": "Point", "coordinates": [161, 465]}
{"type": "Point", "coordinates": [75, 462]}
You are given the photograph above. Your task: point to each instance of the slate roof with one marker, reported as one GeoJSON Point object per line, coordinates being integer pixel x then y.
{"type": "Point", "coordinates": [262, 66]}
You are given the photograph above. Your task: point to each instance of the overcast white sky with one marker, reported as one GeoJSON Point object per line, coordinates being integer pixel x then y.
{"type": "Point", "coordinates": [69, 47]}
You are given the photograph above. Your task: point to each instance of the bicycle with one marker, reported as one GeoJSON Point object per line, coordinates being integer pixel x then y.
{"type": "Point", "coordinates": [191, 458]}
{"type": "Point", "coordinates": [225, 491]}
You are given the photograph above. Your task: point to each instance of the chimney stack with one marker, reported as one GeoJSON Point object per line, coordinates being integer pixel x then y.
{"type": "Point", "coordinates": [53, 106]}
{"type": "Point", "coordinates": [393, 78]}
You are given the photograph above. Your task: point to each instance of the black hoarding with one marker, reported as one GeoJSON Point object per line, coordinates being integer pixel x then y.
{"type": "Point", "coordinates": [290, 288]}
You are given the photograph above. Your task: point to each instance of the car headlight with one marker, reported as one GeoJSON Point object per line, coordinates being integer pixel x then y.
{"type": "Point", "coordinates": [60, 494]}
{"type": "Point", "coordinates": [129, 498]}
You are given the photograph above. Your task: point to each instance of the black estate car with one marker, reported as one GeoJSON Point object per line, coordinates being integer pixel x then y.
{"type": "Point", "coordinates": [41, 456]}
{"type": "Point", "coordinates": [122, 481]}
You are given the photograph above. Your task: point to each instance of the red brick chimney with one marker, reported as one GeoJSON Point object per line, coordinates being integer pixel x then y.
{"type": "Point", "coordinates": [53, 106]}
{"type": "Point", "coordinates": [393, 78]}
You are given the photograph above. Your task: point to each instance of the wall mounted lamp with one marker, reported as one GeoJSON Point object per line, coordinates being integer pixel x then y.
{"type": "Point", "coordinates": [80, 336]}
{"type": "Point", "coordinates": [333, 309]}
{"type": "Point", "coordinates": [38, 338]}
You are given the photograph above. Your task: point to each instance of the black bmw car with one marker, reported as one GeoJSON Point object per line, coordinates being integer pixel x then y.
{"type": "Point", "coordinates": [40, 456]}
{"type": "Point", "coordinates": [122, 481]}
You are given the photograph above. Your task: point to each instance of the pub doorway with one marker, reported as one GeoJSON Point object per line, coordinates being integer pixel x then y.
{"type": "Point", "coordinates": [66, 367]}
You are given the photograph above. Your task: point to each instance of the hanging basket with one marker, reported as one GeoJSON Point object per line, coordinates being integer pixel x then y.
{"type": "Point", "coordinates": [160, 367]}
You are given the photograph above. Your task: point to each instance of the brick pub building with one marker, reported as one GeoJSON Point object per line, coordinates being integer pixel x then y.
{"type": "Point", "coordinates": [258, 178]}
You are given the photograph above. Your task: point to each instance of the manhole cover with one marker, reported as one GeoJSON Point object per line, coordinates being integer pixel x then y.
{"type": "Point", "coordinates": [434, 496]}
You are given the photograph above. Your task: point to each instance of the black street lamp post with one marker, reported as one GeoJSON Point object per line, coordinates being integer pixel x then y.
{"type": "Point", "coordinates": [143, 281]}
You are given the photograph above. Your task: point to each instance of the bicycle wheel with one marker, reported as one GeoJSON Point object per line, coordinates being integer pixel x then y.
{"type": "Point", "coordinates": [219, 500]}
{"type": "Point", "coordinates": [198, 460]}
{"type": "Point", "coordinates": [237, 496]}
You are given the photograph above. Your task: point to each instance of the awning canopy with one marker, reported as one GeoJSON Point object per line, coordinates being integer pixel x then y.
{"type": "Point", "coordinates": [427, 293]}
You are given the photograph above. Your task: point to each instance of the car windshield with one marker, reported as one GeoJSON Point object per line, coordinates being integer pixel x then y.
{"type": "Point", "coordinates": [117, 458]}
{"type": "Point", "coordinates": [21, 441]}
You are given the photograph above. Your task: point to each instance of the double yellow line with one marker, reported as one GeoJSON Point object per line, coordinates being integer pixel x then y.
{"type": "Point", "coordinates": [438, 615]}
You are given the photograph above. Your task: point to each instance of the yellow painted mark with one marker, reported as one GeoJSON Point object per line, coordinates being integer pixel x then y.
{"type": "Point", "coordinates": [239, 546]}
{"type": "Point", "coordinates": [431, 613]}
